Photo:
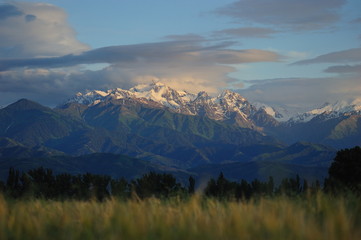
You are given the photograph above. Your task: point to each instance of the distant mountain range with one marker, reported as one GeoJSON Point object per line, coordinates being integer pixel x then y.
{"type": "Point", "coordinates": [176, 131]}
{"type": "Point", "coordinates": [228, 107]}
{"type": "Point", "coordinates": [337, 124]}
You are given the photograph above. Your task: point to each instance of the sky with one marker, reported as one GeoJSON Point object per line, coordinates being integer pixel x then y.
{"type": "Point", "coordinates": [292, 53]}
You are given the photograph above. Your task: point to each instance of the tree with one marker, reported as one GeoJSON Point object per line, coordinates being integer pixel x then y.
{"type": "Point", "coordinates": [243, 190]}
{"type": "Point", "coordinates": [270, 186]}
{"type": "Point", "coordinates": [345, 170]}
{"type": "Point", "coordinates": [44, 182]}
{"type": "Point", "coordinates": [221, 189]}
{"type": "Point", "coordinates": [13, 183]}
{"type": "Point", "coordinates": [192, 183]}
{"type": "Point", "coordinates": [156, 185]}
{"type": "Point", "coordinates": [120, 188]}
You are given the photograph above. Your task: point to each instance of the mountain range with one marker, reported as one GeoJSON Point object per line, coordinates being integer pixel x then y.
{"type": "Point", "coordinates": [228, 107]}
{"type": "Point", "coordinates": [177, 131]}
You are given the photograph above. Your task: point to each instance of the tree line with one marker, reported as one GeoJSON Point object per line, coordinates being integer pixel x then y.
{"type": "Point", "coordinates": [344, 175]}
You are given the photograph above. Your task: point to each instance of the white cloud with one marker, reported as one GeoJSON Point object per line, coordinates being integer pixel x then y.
{"type": "Point", "coordinates": [36, 30]}
{"type": "Point", "coordinates": [46, 51]}
{"type": "Point", "coordinates": [185, 65]}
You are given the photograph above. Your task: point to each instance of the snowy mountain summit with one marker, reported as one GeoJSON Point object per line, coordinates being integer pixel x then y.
{"type": "Point", "coordinates": [329, 111]}
{"type": "Point", "coordinates": [157, 92]}
{"type": "Point", "coordinates": [226, 106]}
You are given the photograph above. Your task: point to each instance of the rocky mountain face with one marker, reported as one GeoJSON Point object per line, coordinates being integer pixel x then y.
{"type": "Point", "coordinates": [337, 125]}
{"type": "Point", "coordinates": [329, 111]}
{"type": "Point", "coordinates": [138, 128]}
{"type": "Point", "coordinates": [229, 106]}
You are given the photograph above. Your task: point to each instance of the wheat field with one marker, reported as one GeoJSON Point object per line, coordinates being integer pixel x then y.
{"type": "Point", "coordinates": [316, 217]}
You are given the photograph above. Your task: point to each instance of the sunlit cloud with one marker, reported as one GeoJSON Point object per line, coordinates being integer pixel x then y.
{"type": "Point", "coordinates": [186, 65]}
{"type": "Point", "coordinates": [36, 30]}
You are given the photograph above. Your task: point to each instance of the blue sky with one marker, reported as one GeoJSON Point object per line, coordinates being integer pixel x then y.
{"type": "Point", "coordinates": [281, 52]}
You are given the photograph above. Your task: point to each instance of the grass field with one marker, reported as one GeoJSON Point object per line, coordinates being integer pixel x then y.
{"type": "Point", "coordinates": [316, 217]}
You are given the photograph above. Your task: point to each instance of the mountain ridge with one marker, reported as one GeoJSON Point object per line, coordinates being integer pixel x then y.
{"type": "Point", "coordinates": [131, 128]}
{"type": "Point", "coordinates": [227, 106]}
{"type": "Point", "coordinates": [219, 107]}
{"type": "Point", "coordinates": [329, 111]}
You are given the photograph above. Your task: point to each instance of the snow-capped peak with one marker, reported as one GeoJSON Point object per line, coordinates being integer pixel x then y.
{"type": "Point", "coordinates": [328, 110]}
{"type": "Point", "coordinates": [161, 93]}
{"type": "Point", "coordinates": [156, 86]}
{"type": "Point", "coordinates": [156, 91]}
{"type": "Point", "coordinates": [280, 113]}
{"type": "Point", "coordinates": [225, 106]}
{"type": "Point", "coordinates": [232, 96]}
{"type": "Point", "coordinates": [231, 101]}
{"type": "Point", "coordinates": [203, 95]}
{"type": "Point", "coordinates": [89, 97]}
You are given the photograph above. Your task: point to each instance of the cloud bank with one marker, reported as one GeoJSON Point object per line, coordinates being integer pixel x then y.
{"type": "Point", "coordinates": [36, 30]}
{"type": "Point", "coordinates": [246, 32]}
{"type": "Point", "coordinates": [191, 66]}
{"type": "Point", "coordinates": [41, 58]}
{"type": "Point", "coordinates": [289, 14]}
{"type": "Point", "coordinates": [345, 69]}
{"type": "Point", "coordinates": [181, 52]}
{"type": "Point", "coordinates": [303, 93]}
{"type": "Point", "coordinates": [344, 56]}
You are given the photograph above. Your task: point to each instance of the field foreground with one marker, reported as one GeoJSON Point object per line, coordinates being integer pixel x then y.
{"type": "Point", "coordinates": [316, 217]}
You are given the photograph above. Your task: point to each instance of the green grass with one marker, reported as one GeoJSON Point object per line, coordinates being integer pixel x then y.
{"type": "Point", "coordinates": [316, 217]}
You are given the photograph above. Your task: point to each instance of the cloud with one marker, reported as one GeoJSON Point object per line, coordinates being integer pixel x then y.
{"type": "Point", "coordinates": [53, 86]}
{"type": "Point", "coordinates": [40, 85]}
{"type": "Point", "coordinates": [36, 30]}
{"type": "Point", "coordinates": [181, 52]}
{"type": "Point", "coordinates": [344, 56]}
{"type": "Point", "coordinates": [303, 93]}
{"type": "Point", "coordinates": [185, 37]}
{"type": "Point", "coordinates": [8, 10]}
{"type": "Point", "coordinates": [246, 32]}
{"type": "Point", "coordinates": [345, 69]}
{"type": "Point", "coordinates": [51, 64]}
{"type": "Point", "coordinates": [289, 14]}
{"type": "Point", "coordinates": [357, 20]}
{"type": "Point", "coordinates": [187, 65]}
{"type": "Point", "coordinates": [30, 18]}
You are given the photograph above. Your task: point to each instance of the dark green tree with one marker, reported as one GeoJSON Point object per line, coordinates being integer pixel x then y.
{"type": "Point", "coordinates": [346, 168]}
{"type": "Point", "coordinates": [191, 186]}
{"type": "Point", "coordinates": [63, 186]}
{"type": "Point", "coordinates": [243, 190]}
{"type": "Point", "coordinates": [159, 185]}
{"type": "Point", "coordinates": [345, 171]}
{"type": "Point", "coordinates": [43, 180]}
{"type": "Point", "coordinates": [13, 186]}
{"type": "Point", "coordinates": [270, 186]}
{"type": "Point", "coordinates": [120, 188]}
{"type": "Point", "coordinates": [221, 189]}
